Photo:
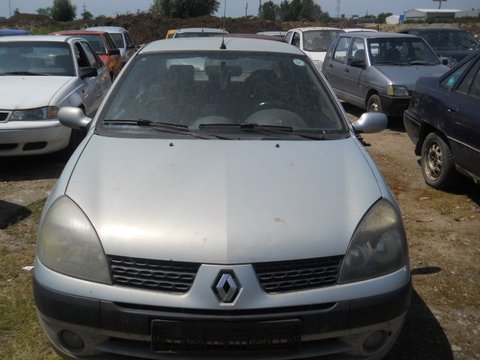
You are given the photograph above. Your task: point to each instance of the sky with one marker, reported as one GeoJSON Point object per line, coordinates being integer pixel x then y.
{"type": "Point", "coordinates": [237, 8]}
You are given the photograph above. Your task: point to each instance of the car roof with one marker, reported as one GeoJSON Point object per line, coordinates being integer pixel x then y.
{"type": "Point", "coordinates": [379, 34]}
{"type": "Point", "coordinates": [433, 29]}
{"type": "Point", "coordinates": [112, 29]}
{"type": "Point", "coordinates": [79, 32]}
{"type": "Point", "coordinates": [36, 38]}
{"type": "Point", "coordinates": [200, 29]}
{"type": "Point", "coordinates": [214, 44]}
{"type": "Point", "coordinates": [315, 28]}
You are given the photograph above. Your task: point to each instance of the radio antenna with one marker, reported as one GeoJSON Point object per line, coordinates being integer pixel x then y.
{"type": "Point", "coordinates": [223, 46]}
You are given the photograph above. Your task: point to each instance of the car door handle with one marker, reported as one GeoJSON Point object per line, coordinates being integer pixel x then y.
{"type": "Point", "coordinates": [347, 70]}
{"type": "Point", "coordinates": [453, 109]}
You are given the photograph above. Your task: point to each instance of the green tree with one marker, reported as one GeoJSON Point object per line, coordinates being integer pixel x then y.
{"type": "Point", "coordinates": [45, 11]}
{"type": "Point", "coordinates": [301, 9]}
{"type": "Point", "coordinates": [382, 17]}
{"type": "Point", "coordinates": [184, 8]}
{"type": "Point", "coordinates": [87, 15]}
{"type": "Point", "coordinates": [269, 11]}
{"type": "Point", "coordinates": [63, 10]}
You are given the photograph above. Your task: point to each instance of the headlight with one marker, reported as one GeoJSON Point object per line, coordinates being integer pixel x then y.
{"type": "Point", "coordinates": [378, 246]}
{"type": "Point", "coordinates": [43, 113]}
{"type": "Point", "coordinates": [67, 243]}
{"type": "Point", "coordinates": [397, 90]}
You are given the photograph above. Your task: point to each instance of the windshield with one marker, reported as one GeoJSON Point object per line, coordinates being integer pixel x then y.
{"type": "Point", "coordinates": [229, 91]}
{"type": "Point", "coordinates": [118, 39]}
{"type": "Point", "coordinates": [450, 40]}
{"type": "Point", "coordinates": [36, 58]}
{"type": "Point", "coordinates": [95, 41]}
{"type": "Point", "coordinates": [401, 51]}
{"type": "Point", "coordinates": [319, 40]}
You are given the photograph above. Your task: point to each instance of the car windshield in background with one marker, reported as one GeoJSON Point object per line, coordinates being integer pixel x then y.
{"type": "Point", "coordinates": [450, 40]}
{"type": "Point", "coordinates": [319, 40]}
{"type": "Point", "coordinates": [118, 39]}
{"type": "Point", "coordinates": [95, 41]}
{"type": "Point", "coordinates": [224, 92]}
{"type": "Point", "coordinates": [36, 58]}
{"type": "Point", "coordinates": [406, 51]}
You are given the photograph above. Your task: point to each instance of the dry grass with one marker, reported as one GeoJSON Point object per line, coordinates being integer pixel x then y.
{"type": "Point", "coordinates": [20, 332]}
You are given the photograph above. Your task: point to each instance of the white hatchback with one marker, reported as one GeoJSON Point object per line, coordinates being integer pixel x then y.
{"type": "Point", "coordinates": [39, 75]}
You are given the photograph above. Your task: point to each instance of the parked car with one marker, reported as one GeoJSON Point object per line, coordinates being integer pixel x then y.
{"type": "Point", "coordinates": [444, 124]}
{"type": "Point", "coordinates": [12, 32]}
{"type": "Point", "coordinates": [103, 45]}
{"type": "Point", "coordinates": [450, 44]}
{"type": "Point", "coordinates": [358, 29]}
{"type": "Point", "coordinates": [377, 70]}
{"type": "Point", "coordinates": [278, 33]}
{"type": "Point", "coordinates": [122, 40]}
{"type": "Point", "coordinates": [244, 217]}
{"type": "Point", "coordinates": [313, 41]}
{"type": "Point", "coordinates": [197, 32]}
{"type": "Point", "coordinates": [38, 76]}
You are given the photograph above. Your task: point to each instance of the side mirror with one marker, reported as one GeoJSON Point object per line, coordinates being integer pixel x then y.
{"type": "Point", "coordinates": [113, 52]}
{"type": "Point", "coordinates": [370, 122]}
{"type": "Point", "coordinates": [357, 63]}
{"type": "Point", "coordinates": [74, 118]}
{"type": "Point", "coordinates": [88, 72]}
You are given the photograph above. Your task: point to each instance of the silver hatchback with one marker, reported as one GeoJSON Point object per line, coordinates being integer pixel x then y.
{"type": "Point", "coordinates": [377, 70]}
{"type": "Point", "coordinates": [221, 205]}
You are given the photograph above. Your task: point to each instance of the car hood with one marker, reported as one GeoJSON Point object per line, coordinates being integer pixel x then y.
{"type": "Point", "coordinates": [408, 75]}
{"type": "Point", "coordinates": [223, 202]}
{"type": "Point", "coordinates": [28, 92]}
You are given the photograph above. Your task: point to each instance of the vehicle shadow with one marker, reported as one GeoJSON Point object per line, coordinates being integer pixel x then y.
{"type": "Point", "coordinates": [11, 213]}
{"type": "Point", "coordinates": [464, 186]}
{"type": "Point", "coordinates": [422, 336]}
{"type": "Point", "coordinates": [31, 167]}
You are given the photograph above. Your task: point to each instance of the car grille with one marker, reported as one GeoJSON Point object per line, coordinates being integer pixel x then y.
{"type": "Point", "coordinates": [178, 277]}
{"type": "Point", "coordinates": [4, 115]}
{"type": "Point", "coordinates": [295, 275]}
{"type": "Point", "coordinates": [167, 276]}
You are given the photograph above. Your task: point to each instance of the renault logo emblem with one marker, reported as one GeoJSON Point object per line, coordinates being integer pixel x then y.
{"type": "Point", "coordinates": [226, 286]}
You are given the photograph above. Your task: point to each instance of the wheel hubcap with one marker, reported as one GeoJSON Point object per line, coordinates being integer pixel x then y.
{"type": "Point", "coordinates": [434, 162]}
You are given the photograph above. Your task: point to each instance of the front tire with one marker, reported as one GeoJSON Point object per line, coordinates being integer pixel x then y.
{"type": "Point", "coordinates": [438, 165]}
{"type": "Point", "coordinates": [374, 104]}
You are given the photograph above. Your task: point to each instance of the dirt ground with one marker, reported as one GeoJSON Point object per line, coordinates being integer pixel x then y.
{"type": "Point", "coordinates": [443, 230]}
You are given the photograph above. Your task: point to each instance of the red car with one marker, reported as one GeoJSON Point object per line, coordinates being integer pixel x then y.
{"type": "Point", "coordinates": [104, 46]}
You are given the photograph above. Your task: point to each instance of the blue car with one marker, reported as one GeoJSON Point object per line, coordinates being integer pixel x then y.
{"type": "Point", "coordinates": [444, 124]}
{"type": "Point", "coordinates": [10, 32]}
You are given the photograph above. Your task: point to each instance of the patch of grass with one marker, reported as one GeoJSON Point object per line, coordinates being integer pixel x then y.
{"type": "Point", "coordinates": [20, 332]}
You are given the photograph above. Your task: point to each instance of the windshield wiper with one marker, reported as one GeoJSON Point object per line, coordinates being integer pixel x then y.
{"type": "Point", "coordinates": [268, 129]}
{"type": "Point", "coordinates": [24, 73]}
{"type": "Point", "coordinates": [171, 128]}
{"type": "Point", "coordinates": [421, 62]}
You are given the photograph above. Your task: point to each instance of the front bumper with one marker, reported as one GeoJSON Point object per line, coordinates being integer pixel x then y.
{"type": "Point", "coordinates": [32, 137]}
{"type": "Point", "coordinates": [340, 329]}
{"type": "Point", "coordinates": [394, 106]}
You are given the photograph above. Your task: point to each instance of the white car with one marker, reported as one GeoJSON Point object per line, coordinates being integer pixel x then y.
{"type": "Point", "coordinates": [121, 37]}
{"type": "Point", "coordinates": [313, 41]}
{"type": "Point", "coordinates": [221, 207]}
{"type": "Point", "coordinates": [39, 75]}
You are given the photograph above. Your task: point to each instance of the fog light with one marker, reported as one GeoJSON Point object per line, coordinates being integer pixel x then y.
{"type": "Point", "coordinates": [71, 340]}
{"type": "Point", "coordinates": [374, 341]}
